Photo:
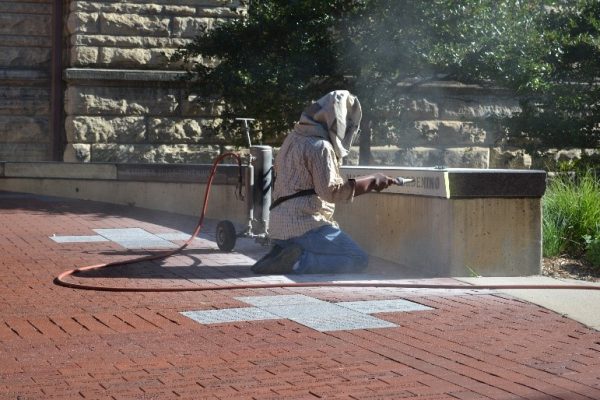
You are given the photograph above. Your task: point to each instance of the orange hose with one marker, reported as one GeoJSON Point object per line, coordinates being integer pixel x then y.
{"type": "Point", "coordinates": [60, 279]}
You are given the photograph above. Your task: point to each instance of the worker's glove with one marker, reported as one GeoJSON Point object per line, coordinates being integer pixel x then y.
{"type": "Point", "coordinates": [368, 183]}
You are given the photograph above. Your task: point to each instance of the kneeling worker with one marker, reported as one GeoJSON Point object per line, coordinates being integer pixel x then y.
{"type": "Point", "coordinates": [307, 185]}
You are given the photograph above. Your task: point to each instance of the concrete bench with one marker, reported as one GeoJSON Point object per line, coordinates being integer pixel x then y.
{"type": "Point", "coordinates": [453, 222]}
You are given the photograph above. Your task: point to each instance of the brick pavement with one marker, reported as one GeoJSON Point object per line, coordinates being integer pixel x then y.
{"type": "Point", "coordinates": [58, 343]}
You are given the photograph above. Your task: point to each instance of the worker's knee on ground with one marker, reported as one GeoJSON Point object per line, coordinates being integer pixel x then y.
{"type": "Point", "coordinates": [318, 263]}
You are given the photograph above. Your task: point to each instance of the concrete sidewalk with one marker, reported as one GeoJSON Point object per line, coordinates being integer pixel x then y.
{"type": "Point", "coordinates": [580, 305]}
{"type": "Point", "coordinates": [298, 343]}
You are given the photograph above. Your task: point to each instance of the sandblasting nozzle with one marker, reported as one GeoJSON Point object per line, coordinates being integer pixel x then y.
{"type": "Point", "coordinates": [402, 181]}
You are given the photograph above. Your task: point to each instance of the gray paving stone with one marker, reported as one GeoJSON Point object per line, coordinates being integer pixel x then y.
{"type": "Point", "coordinates": [175, 236]}
{"type": "Point", "coordinates": [311, 312]}
{"type": "Point", "coordinates": [135, 238]}
{"type": "Point", "coordinates": [328, 317]}
{"type": "Point", "coordinates": [268, 301]}
{"type": "Point", "coordinates": [345, 321]}
{"type": "Point", "coordinates": [378, 306]}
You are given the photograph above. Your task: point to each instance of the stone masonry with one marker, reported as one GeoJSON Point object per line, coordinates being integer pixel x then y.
{"type": "Point", "coordinates": [122, 101]}
{"type": "Point", "coordinates": [444, 124]}
{"type": "Point", "coordinates": [25, 54]}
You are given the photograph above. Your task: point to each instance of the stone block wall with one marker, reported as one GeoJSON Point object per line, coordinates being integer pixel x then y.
{"type": "Point", "coordinates": [25, 56]}
{"type": "Point", "coordinates": [445, 124]}
{"type": "Point", "coordinates": [124, 101]}
{"type": "Point", "coordinates": [126, 119]}
{"type": "Point", "coordinates": [138, 34]}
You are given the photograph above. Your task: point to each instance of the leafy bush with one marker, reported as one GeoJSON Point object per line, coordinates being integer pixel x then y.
{"type": "Point", "coordinates": [593, 249]}
{"type": "Point", "coordinates": [571, 212]}
{"type": "Point", "coordinates": [284, 53]}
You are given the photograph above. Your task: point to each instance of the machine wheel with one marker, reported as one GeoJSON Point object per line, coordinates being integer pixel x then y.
{"type": "Point", "coordinates": [226, 235]}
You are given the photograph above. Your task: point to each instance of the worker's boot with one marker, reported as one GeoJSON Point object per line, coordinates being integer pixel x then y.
{"type": "Point", "coordinates": [279, 260]}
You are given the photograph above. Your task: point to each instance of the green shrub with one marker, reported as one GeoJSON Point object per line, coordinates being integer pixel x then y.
{"type": "Point", "coordinates": [553, 234]}
{"type": "Point", "coordinates": [592, 252]}
{"type": "Point", "coordinates": [571, 211]}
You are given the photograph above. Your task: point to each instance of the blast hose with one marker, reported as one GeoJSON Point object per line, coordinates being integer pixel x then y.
{"type": "Point", "coordinates": [60, 279]}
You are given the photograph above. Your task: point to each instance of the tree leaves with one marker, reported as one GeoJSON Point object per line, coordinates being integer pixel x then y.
{"type": "Point", "coordinates": [285, 53]}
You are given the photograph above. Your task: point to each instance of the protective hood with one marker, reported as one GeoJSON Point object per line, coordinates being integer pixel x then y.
{"type": "Point", "coordinates": [336, 117]}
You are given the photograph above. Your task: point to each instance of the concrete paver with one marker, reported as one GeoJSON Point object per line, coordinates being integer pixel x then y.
{"type": "Point", "coordinates": [60, 343]}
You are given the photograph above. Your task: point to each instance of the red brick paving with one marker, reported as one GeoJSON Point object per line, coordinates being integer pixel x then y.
{"type": "Point", "coordinates": [58, 343]}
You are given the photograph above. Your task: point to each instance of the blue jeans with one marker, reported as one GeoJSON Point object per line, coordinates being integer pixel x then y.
{"type": "Point", "coordinates": [327, 250]}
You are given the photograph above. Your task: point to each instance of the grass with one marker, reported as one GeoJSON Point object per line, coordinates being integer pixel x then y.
{"type": "Point", "coordinates": [571, 215]}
